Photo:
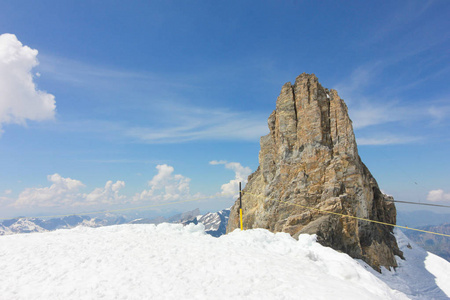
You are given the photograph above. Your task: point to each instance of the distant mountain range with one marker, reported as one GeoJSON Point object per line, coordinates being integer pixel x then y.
{"type": "Point", "coordinates": [437, 244]}
{"type": "Point", "coordinates": [420, 218]}
{"type": "Point", "coordinates": [178, 218]}
{"type": "Point", "coordinates": [215, 223]}
{"type": "Point", "coordinates": [429, 221]}
{"type": "Point", "coordinates": [25, 225]}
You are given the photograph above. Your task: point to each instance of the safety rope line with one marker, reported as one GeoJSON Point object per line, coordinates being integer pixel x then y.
{"type": "Point", "coordinates": [418, 203]}
{"type": "Point", "coordinates": [122, 209]}
{"type": "Point", "coordinates": [348, 216]}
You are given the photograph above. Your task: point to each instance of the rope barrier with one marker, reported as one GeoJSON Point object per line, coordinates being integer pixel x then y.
{"type": "Point", "coordinates": [349, 216]}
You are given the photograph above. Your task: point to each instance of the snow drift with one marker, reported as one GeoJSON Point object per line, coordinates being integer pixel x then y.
{"type": "Point", "coordinates": [169, 261]}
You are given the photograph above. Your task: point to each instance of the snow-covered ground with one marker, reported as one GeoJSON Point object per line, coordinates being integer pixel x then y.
{"type": "Point", "coordinates": [168, 261]}
{"type": "Point", "coordinates": [422, 275]}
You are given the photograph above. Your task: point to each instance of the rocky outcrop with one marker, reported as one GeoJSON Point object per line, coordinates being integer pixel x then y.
{"type": "Point", "coordinates": [310, 159]}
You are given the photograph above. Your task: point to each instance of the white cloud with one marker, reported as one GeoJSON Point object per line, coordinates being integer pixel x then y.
{"type": "Point", "coordinates": [65, 192]}
{"type": "Point", "coordinates": [107, 195]}
{"type": "Point", "coordinates": [166, 186]}
{"type": "Point", "coordinates": [241, 174]}
{"type": "Point", "coordinates": [20, 100]}
{"type": "Point", "coordinates": [438, 196]}
{"type": "Point", "coordinates": [8, 192]}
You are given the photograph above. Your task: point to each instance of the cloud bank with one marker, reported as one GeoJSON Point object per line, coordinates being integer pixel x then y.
{"type": "Point", "coordinates": [65, 192]}
{"type": "Point", "coordinates": [20, 100]}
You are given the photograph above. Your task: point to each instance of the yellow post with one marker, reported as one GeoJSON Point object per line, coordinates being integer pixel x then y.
{"type": "Point", "coordinates": [240, 215]}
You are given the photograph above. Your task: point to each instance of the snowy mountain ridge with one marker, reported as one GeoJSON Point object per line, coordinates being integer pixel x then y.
{"type": "Point", "coordinates": [29, 225]}
{"type": "Point", "coordinates": [215, 223]}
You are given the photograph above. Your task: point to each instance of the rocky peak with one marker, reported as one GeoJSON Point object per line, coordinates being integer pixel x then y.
{"type": "Point", "coordinates": [310, 159]}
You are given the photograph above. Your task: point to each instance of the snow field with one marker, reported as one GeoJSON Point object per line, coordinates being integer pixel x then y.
{"type": "Point", "coordinates": [169, 261]}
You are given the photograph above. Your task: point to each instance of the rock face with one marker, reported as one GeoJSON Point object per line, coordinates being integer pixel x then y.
{"type": "Point", "coordinates": [310, 159]}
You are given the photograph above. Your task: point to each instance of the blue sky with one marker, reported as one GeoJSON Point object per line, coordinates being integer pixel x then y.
{"type": "Point", "coordinates": [133, 100]}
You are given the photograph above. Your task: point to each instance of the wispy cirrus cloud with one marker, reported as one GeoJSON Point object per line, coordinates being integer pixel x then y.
{"type": "Point", "coordinates": [399, 19]}
{"type": "Point", "coordinates": [195, 124]}
{"type": "Point", "coordinates": [439, 113]}
{"type": "Point", "coordinates": [170, 126]}
{"type": "Point", "coordinates": [388, 139]}
{"type": "Point", "coordinates": [164, 114]}
{"type": "Point", "coordinates": [371, 108]}
{"type": "Point", "coordinates": [389, 89]}
{"type": "Point", "coordinates": [94, 75]}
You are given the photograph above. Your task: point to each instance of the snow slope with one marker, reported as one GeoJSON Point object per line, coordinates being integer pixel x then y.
{"type": "Point", "coordinates": [169, 261]}
{"type": "Point", "coordinates": [422, 275]}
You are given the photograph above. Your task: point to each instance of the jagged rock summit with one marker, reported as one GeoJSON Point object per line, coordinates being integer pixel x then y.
{"type": "Point", "coordinates": [310, 159]}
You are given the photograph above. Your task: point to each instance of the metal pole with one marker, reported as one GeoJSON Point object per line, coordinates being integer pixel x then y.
{"type": "Point", "coordinates": [240, 206]}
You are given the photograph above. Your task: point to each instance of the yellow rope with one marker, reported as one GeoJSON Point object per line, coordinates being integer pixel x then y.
{"type": "Point", "coordinates": [348, 216]}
